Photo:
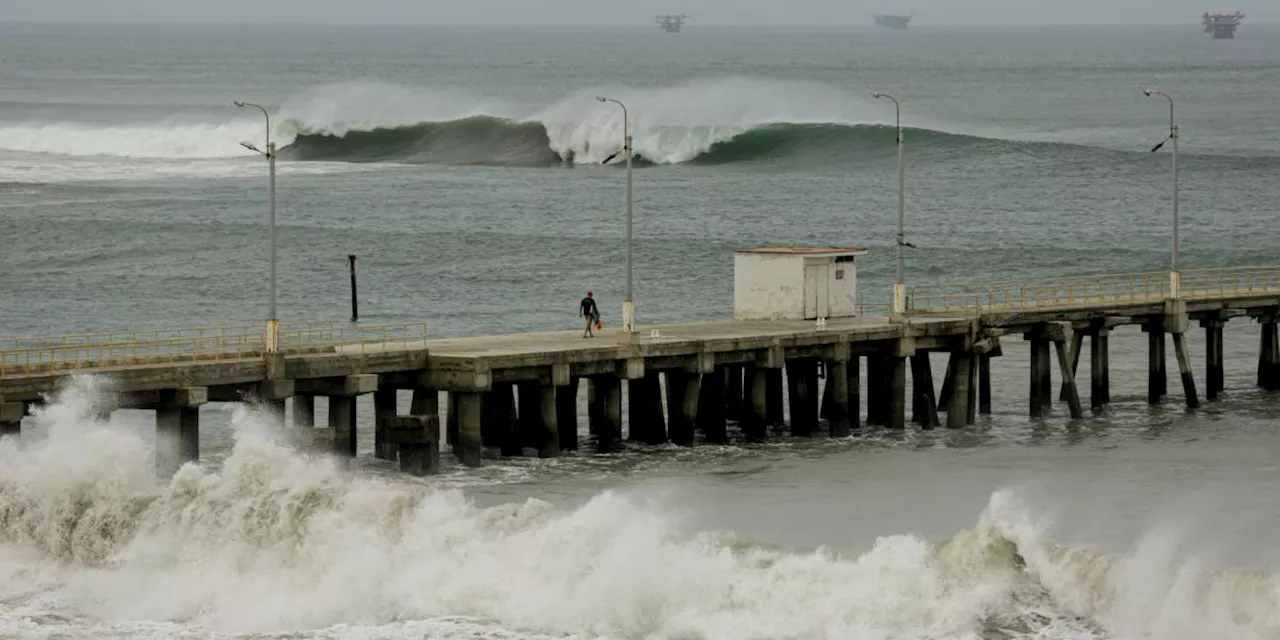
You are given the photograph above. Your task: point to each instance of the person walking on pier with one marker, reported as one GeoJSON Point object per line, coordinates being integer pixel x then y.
{"type": "Point", "coordinates": [591, 314]}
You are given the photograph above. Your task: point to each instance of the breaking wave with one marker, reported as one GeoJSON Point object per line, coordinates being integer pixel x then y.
{"type": "Point", "coordinates": [273, 541]}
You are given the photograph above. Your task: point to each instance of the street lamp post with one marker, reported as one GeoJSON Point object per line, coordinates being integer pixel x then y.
{"type": "Point", "coordinates": [628, 303]}
{"type": "Point", "coordinates": [273, 324]}
{"type": "Point", "coordinates": [1175, 277]}
{"type": "Point", "coordinates": [899, 289]}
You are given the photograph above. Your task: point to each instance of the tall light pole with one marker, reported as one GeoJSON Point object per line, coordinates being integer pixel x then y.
{"type": "Point", "coordinates": [628, 303]}
{"type": "Point", "coordinates": [273, 324]}
{"type": "Point", "coordinates": [1174, 276]}
{"type": "Point", "coordinates": [899, 289]}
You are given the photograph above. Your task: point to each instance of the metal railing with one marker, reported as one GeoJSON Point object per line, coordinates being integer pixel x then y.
{"type": "Point", "coordinates": [100, 351]}
{"type": "Point", "coordinates": [1074, 292]}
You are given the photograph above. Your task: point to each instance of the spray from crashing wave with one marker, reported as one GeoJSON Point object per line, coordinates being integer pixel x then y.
{"type": "Point", "coordinates": [273, 541]}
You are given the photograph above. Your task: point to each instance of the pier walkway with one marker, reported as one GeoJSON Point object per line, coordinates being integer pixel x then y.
{"type": "Point", "coordinates": [519, 393]}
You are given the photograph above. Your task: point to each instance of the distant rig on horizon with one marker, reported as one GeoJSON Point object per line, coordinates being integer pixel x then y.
{"type": "Point", "coordinates": [890, 21]}
{"type": "Point", "coordinates": [1222, 26]}
{"type": "Point", "coordinates": [671, 23]}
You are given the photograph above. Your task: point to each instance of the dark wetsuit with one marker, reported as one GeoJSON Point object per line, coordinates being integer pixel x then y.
{"type": "Point", "coordinates": [588, 308]}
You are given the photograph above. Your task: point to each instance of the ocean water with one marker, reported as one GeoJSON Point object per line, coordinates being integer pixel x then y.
{"type": "Point", "coordinates": [462, 166]}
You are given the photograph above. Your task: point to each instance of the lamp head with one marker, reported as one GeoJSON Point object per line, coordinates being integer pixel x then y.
{"type": "Point", "coordinates": [877, 95]}
{"type": "Point", "coordinates": [239, 103]}
{"type": "Point", "coordinates": [602, 99]}
{"type": "Point", "coordinates": [250, 146]}
{"type": "Point", "coordinates": [1149, 92]}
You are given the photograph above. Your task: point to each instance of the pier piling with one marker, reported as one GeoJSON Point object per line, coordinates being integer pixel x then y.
{"type": "Point", "coordinates": [922, 391]}
{"type": "Point", "coordinates": [711, 408]}
{"type": "Point", "coordinates": [1157, 377]}
{"type": "Point", "coordinates": [961, 371]}
{"type": "Point", "coordinates": [984, 384]}
{"type": "Point", "coordinates": [452, 400]}
{"type": "Point", "coordinates": [1069, 380]}
{"type": "Point", "coordinates": [773, 396]}
{"type": "Point", "coordinates": [838, 412]}
{"type": "Point", "coordinates": [567, 415]}
{"type": "Point", "coordinates": [470, 442]}
{"type": "Point", "coordinates": [304, 411]}
{"type": "Point", "coordinates": [755, 407]}
{"type": "Point", "coordinates": [11, 418]}
{"type": "Point", "coordinates": [897, 366]}
{"type": "Point", "coordinates": [178, 429]}
{"type": "Point", "coordinates": [1073, 359]}
{"type": "Point", "coordinates": [416, 441]}
{"type": "Point", "coordinates": [733, 390]}
{"type": "Point", "coordinates": [1215, 370]}
{"type": "Point", "coordinates": [1269, 352]}
{"type": "Point", "coordinates": [384, 407]}
{"type": "Point", "coordinates": [1184, 367]}
{"type": "Point", "coordinates": [549, 416]}
{"type": "Point", "coordinates": [1099, 390]}
{"type": "Point", "coordinates": [683, 389]}
{"type": "Point", "coordinates": [802, 378]}
{"type": "Point", "coordinates": [342, 409]}
{"type": "Point", "coordinates": [853, 382]}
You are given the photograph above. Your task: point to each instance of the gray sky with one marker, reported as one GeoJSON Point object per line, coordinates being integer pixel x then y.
{"type": "Point", "coordinates": [709, 12]}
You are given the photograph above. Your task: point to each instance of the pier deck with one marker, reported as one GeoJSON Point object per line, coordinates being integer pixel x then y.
{"type": "Point", "coordinates": [715, 372]}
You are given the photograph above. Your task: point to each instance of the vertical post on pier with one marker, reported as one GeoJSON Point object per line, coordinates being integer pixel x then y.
{"type": "Point", "coordinates": [1266, 351]}
{"type": "Point", "coordinates": [837, 382]}
{"type": "Point", "coordinates": [638, 411]}
{"type": "Point", "coordinates": [529, 414]}
{"type": "Point", "coordinates": [922, 389]}
{"type": "Point", "coordinates": [604, 394]}
{"type": "Point", "coordinates": [961, 371]}
{"type": "Point", "coordinates": [384, 408]}
{"type": "Point", "coordinates": [178, 428]}
{"type": "Point", "coordinates": [984, 384]}
{"type": "Point", "coordinates": [877, 398]}
{"type": "Point", "coordinates": [1099, 392]}
{"type": "Point", "coordinates": [804, 399]}
{"type": "Point", "coordinates": [304, 411]}
{"type": "Point", "coordinates": [342, 417]}
{"type": "Point", "coordinates": [755, 409]}
{"type": "Point", "coordinates": [567, 414]}
{"type": "Point", "coordinates": [827, 395]}
{"type": "Point", "coordinates": [355, 301]}
{"type": "Point", "coordinates": [651, 392]}
{"type": "Point", "coordinates": [548, 414]}
{"type": "Point", "coordinates": [948, 381]}
{"type": "Point", "coordinates": [683, 389]}
{"type": "Point", "coordinates": [470, 442]}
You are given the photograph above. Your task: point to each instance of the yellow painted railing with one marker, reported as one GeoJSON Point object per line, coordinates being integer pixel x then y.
{"type": "Point", "coordinates": [1073, 292]}
{"type": "Point", "coordinates": [99, 351]}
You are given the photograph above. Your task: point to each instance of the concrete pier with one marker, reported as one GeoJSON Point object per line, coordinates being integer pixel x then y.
{"type": "Point", "coordinates": [479, 374]}
{"type": "Point", "coordinates": [178, 428]}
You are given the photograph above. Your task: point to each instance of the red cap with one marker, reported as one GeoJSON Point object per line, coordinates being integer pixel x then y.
{"type": "Point", "coordinates": [589, 294]}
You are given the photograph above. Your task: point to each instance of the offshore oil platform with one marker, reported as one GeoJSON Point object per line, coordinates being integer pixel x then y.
{"type": "Point", "coordinates": [672, 23]}
{"type": "Point", "coordinates": [1222, 25]}
{"type": "Point", "coordinates": [892, 22]}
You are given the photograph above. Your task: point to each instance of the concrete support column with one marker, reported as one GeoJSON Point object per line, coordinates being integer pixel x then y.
{"type": "Point", "coordinates": [733, 392]}
{"type": "Point", "coordinates": [711, 408]}
{"type": "Point", "coordinates": [548, 415]}
{"type": "Point", "coordinates": [178, 429]}
{"type": "Point", "coordinates": [984, 384]}
{"type": "Point", "coordinates": [683, 389]}
{"type": "Point", "coordinates": [1157, 378]}
{"type": "Point", "coordinates": [925, 406]}
{"type": "Point", "coordinates": [971, 406]}
{"type": "Point", "coordinates": [567, 415]}
{"type": "Point", "coordinates": [755, 406]}
{"type": "Point", "coordinates": [877, 398]}
{"type": "Point", "coordinates": [416, 441]}
{"type": "Point", "coordinates": [608, 399]}
{"type": "Point", "coordinates": [498, 419]}
{"type": "Point", "coordinates": [853, 385]}
{"type": "Point", "coordinates": [1215, 370]}
{"type": "Point", "coordinates": [1268, 353]}
{"type": "Point", "coordinates": [470, 443]}
{"type": "Point", "coordinates": [838, 414]}
{"type": "Point", "coordinates": [1099, 375]}
{"type": "Point", "coordinates": [1036, 378]}
{"type": "Point", "coordinates": [384, 408]}
{"type": "Point", "coordinates": [897, 392]}
{"type": "Point", "coordinates": [11, 418]}
{"type": "Point", "coordinates": [1069, 381]}
{"type": "Point", "coordinates": [828, 394]}
{"type": "Point", "coordinates": [453, 399]}
{"type": "Point", "coordinates": [529, 414]}
{"type": "Point", "coordinates": [342, 418]}
{"type": "Point", "coordinates": [803, 377]}
{"type": "Point", "coordinates": [650, 395]}
{"type": "Point", "coordinates": [948, 382]}
{"type": "Point", "coordinates": [304, 411]}
{"type": "Point", "coordinates": [425, 402]}
{"type": "Point", "coordinates": [638, 411]}
{"type": "Point", "coordinates": [961, 371]}
{"type": "Point", "coordinates": [1073, 359]}
{"type": "Point", "coordinates": [1184, 367]}
{"type": "Point", "coordinates": [773, 385]}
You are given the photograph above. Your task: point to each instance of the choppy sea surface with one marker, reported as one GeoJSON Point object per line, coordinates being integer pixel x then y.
{"type": "Point", "coordinates": [463, 167]}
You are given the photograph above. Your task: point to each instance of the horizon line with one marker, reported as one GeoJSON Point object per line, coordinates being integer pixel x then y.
{"type": "Point", "coordinates": [545, 25]}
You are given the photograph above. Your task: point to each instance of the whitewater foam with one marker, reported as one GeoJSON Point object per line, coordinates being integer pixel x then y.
{"type": "Point", "coordinates": [276, 542]}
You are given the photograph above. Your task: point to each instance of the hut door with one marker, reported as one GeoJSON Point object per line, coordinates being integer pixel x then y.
{"type": "Point", "coordinates": [817, 302]}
